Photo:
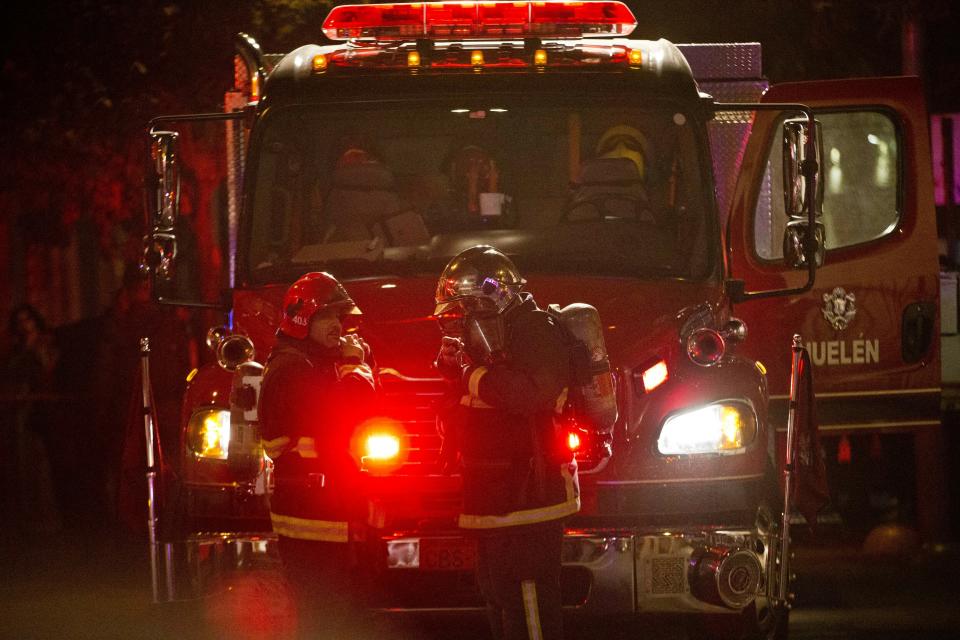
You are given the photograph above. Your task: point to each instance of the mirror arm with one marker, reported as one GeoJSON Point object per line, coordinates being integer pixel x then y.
{"type": "Point", "coordinates": [173, 302]}
{"type": "Point", "coordinates": [223, 305]}
{"type": "Point", "coordinates": [735, 288]}
{"type": "Point", "coordinates": [193, 117]}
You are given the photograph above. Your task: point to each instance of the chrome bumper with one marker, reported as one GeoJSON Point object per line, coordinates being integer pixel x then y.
{"type": "Point", "coordinates": [203, 564]}
{"type": "Point", "coordinates": [657, 572]}
{"type": "Point", "coordinates": [621, 572]}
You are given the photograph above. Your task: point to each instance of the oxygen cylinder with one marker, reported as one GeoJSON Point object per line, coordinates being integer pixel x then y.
{"type": "Point", "coordinates": [595, 392]}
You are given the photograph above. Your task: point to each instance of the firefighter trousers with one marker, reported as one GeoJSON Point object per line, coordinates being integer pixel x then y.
{"type": "Point", "coordinates": [518, 572]}
{"type": "Point", "coordinates": [327, 586]}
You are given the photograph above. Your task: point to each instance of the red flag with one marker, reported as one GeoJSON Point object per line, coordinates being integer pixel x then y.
{"type": "Point", "coordinates": [811, 492]}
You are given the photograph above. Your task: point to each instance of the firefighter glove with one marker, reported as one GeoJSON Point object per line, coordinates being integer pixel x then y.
{"type": "Point", "coordinates": [450, 360]}
{"type": "Point", "coordinates": [353, 348]}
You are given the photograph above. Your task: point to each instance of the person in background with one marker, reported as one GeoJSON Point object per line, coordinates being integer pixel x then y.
{"type": "Point", "coordinates": [31, 442]}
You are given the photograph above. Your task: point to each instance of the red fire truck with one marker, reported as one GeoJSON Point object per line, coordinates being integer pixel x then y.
{"type": "Point", "coordinates": [666, 185]}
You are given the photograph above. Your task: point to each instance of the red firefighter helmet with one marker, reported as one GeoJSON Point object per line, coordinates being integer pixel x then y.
{"type": "Point", "coordinates": [313, 292]}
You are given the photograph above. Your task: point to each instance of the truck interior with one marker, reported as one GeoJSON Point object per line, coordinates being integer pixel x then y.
{"type": "Point", "coordinates": [407, 187]}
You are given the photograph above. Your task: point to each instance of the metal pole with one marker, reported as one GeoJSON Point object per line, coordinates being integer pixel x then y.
{"type": "Point", "coordinates": [149, 436]}
{"type": "Point", "coordinates": [796, 348]}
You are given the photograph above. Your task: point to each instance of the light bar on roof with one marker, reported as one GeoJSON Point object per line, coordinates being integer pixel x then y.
{"type": "Point", "coordinates": [457, 20]}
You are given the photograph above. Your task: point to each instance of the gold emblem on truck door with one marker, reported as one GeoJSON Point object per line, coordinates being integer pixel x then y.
{"type": "Point", "coordinates": [839, 308]}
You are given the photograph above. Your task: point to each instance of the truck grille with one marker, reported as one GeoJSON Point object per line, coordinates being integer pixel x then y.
{"type": "Point", "coordinates": [413, 402]}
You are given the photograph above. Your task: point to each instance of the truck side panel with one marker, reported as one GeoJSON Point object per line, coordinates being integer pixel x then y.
{"type": "Point", "coordinates": [870, 321]}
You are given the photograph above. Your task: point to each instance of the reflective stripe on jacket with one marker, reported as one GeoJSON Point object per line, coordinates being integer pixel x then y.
{"type": "Point", "coordinates": [305, 447]}
{"type": "Point", "coordinates": [535, 515]}
{"type": "Point", "coordinates": [307, 529]}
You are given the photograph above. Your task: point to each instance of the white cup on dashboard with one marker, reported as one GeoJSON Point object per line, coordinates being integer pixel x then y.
{"type": "Point", "coordinates": [491, 204]}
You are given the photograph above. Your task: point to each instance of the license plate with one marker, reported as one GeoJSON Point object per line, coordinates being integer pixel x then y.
{"type": "Point", "coordinates": [447, 554]}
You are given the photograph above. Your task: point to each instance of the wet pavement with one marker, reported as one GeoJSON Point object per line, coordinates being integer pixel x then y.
{"type": "Point", "coordinates": [845, 593]}
{"type": "Point", "coordinates": [98, 586]}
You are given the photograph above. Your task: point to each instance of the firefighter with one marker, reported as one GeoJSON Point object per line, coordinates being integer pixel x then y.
{"type": "Point", "coordinates": [317, 387]}
{"type": "Point", "coordinates": [507, 369]}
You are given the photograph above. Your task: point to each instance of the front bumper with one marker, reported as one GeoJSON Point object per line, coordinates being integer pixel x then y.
{"type": "Point", "coordinates": [661, 571]}
{"type": "Point", "coordinates": [611, 572]}
{"type": "Point", "coordinates": [605, 572]}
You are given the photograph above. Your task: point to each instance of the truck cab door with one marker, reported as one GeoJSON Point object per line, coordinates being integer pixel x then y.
{"type": "Point", "coordinates": [870, 322]}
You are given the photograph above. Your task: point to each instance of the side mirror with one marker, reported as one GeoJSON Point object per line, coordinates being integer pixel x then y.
{"type": "Point", "coordinates": [798, 170]}
{"type": "Point", "coordinates": [172, 258]}
{"type": "Point", "coordinates": [160, 246]}
{"type": "Point", "coordinates": [159, 255]}
{"type": "Point", "coordinates": [803, 238]}
{"type": "Point", "coordinates": [797, 245]}
{"type": "Point", "coordinates": [166, 164]}
{"type": "Point", "coordinates": [802, 193]}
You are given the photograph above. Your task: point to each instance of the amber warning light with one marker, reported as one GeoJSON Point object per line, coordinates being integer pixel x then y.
{"type": "Point", "coordinates": [473, 20]}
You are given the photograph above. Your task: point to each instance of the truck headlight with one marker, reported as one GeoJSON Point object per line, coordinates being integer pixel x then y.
{"type": "Point", "coordinates": [208, 433]}
{"type": "Point", "coordinates": [725, 427]}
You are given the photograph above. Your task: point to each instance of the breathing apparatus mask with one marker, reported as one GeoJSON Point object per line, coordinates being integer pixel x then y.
{"type": "Point", "coordinates": [475, 289]}
{"type": "Point", "coordinates": [484, 336]}
{"type": "Point", "coordinates": [478, 326]}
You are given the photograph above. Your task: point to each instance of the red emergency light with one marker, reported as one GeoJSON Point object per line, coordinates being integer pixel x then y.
{"type": "Point", "coordinates": [590, 448]}
{"type": "Point", "coordinates": [477, 20]}
{"type": "Point", "coordinates": [378, 445]}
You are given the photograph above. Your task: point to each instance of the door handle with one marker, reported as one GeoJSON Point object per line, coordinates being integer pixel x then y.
{"type": "Point", "coordinates": [916, 330]}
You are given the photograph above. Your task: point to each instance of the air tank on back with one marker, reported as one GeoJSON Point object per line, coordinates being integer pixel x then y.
{"type": "Point", "coordinates": [594, 393]}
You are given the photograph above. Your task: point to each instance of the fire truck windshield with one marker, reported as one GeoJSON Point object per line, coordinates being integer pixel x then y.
{"type": "Point", "coordinates": [605, 190]}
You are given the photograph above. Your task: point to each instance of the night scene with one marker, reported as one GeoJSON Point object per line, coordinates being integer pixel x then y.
{"type": "Point", "coordinates": [507, 320]}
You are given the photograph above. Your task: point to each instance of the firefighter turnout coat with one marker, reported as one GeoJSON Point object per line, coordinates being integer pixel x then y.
{"type": "Point", "coordinates": [311, 403]}
{"type": "Point", "coordinates": [515, 470]}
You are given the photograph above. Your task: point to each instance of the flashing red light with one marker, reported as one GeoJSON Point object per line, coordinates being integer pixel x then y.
{"type": "Point", "coordinates": [500, 19]}
{"type": "Point", "coordinates": [365, 20]}
{"type": "Point", "coordinates": [655, 376]}
{"type": "Point", "coordinates": [378, 445]}
{"type": "Point", "coordinates": [573, 441]}
{"type": "Point", "coordinates": [382, 447]}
